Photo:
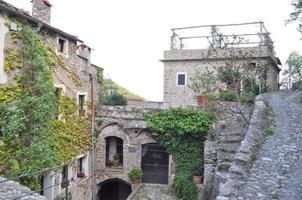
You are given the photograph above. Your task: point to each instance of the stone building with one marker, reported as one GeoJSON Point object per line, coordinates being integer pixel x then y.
{"type": "Point", "coordinates": [193, 50]}
{"type": "Point", "coordinates": [73, 79]}
{"type": "Point", "coordinates": [123, 145]}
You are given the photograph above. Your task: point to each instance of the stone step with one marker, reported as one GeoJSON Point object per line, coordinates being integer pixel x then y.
{"type": "Point", "coordinates": [228, 147]}
{"type": "Point", "coordinates": [231, 138]}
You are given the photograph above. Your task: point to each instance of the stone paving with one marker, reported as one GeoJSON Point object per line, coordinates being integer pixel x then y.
{"type": "Point", "coordinates": [277, 172]}
{"type": "Point", "coordinates": [154, 192]}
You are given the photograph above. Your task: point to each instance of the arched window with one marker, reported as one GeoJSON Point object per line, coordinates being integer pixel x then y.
{"type": "Point", "coordinates": [114, 152]}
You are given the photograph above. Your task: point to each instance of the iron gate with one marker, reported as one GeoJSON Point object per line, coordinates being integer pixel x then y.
{"type": "Point", "coordinates": [155, 164]}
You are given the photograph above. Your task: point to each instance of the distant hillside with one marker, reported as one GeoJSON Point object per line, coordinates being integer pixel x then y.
{"type": "Point", "coordinates": [110, 85]}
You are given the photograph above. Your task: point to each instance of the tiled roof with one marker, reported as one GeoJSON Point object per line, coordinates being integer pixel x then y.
{"type": "Point", "coordinates": [4, 6]}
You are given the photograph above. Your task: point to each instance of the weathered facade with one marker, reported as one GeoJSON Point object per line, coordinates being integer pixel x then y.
{"type": "Point", "coordinates": [181, 63]}
{"type": "Point", "coordinates": [127, 125]}
{"type": "Point", "coordinates": [73, 78]}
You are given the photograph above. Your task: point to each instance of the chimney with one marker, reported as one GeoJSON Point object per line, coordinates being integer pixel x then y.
{"type": "Point", "coordinates": [41, 10]}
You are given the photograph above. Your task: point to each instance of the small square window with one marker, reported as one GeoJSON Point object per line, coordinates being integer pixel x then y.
{"type": "Point", "coordinates": [181, 79]}
{"type": "Point", "coordinates": [253, 65]}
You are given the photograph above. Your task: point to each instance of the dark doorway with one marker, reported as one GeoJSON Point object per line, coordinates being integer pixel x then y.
{"type": "Point", "coordinates": [114, 189]}
{"type": "Point", "coordinates": [155, 164]}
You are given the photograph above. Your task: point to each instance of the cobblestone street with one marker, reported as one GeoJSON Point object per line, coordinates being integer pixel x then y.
{"type": "Point", "coordinates": [277, 172]}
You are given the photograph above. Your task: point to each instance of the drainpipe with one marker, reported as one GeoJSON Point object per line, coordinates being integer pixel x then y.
{"type": "Point", "coordinates": [92, 158]}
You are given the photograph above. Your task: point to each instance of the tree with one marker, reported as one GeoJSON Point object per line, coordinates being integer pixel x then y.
{"type": "Point", "coordinates": [294, 70]}
{"type": "Point", "coordinates": [296, 14]}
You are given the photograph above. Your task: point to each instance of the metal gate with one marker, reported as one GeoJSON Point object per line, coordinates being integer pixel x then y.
{"type": "Point", "coordinates": [155, 164]}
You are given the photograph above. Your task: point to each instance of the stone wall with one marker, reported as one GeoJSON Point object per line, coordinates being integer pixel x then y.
{"type": "Point", "coordinates": [220, 150]}
{"type": "Point", "coordinates": [190, 61]}
{"type": "Point", "coordinates": [13, 190]}
{"type": "Point", "coordinates": [245, 155]}
{"type": "Point", "coordinates": [145, 104]}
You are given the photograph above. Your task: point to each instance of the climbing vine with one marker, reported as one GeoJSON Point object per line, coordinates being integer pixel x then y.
{"type": "Point", "coordinates": [12, 60]}
{"type": "Point", "coordinates": [182, 132]}
{"type": "Point", "coordinates": [32, 138]}
{"type": "Point", "coordinates": [71, 132]}
{"type": "Point", "coordinates": [26, 122]}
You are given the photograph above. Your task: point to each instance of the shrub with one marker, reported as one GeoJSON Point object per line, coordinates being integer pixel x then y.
{"type": "Point", "coordinates": [135, 174]}
{"type": "Point", "coordinates": [268, 131]}
{"type": "Point", "coordinates": [182, 132]}
{"type": "Point", "coordinates": [247, 97]}
{"type": "Point", "coordinates": [228, 96]}
{"type": "Point", "coordinates": [115, 99]}
{"type": "Point", "coordinates": [184, 187]}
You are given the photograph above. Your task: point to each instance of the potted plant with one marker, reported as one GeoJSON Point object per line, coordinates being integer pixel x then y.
{"type": "Point", "coordinates": [135, 176]}
{"type": "Point", "coordinates": [116, 160]}
{"type": "Point", "coordinates": [197, 175]}
{"type": "Point", "coordinates": [202, 83]}
{"type": "Point", "coordinates": [81, 175]}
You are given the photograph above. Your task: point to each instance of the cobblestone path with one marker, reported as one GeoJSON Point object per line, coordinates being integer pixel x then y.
{"type": "Point", "coordinates": [277, 172]}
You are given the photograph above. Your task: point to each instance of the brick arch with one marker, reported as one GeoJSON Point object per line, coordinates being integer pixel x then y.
{"type": "Point", "coordinates": [110, 131]}
{"type": "Point", "coordinates": [114, 184]}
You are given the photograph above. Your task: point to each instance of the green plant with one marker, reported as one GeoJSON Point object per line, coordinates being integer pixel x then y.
{"type": "Point", "coordinates": [32, 138]}
{"type": "Point", "coordinates": [184, 187]}
{"type": "Point", "coordinates": [182, 132]}
{"type": "Point", "coordinates": [229, 75]}
{"type": "Point", "coordinates": [268, 131]}
{"type": "Point", "coordinates": [228, 96]}
{"type": "Point", "coordinates": [135, 174]}
{"type": "Point", "coordinates": [247, 97]}
{"type": "Point", "coordinates": [115, 99]}
{"type": "Point", "coordinates": [198, 171]}
{"type": "Point", "coordinates": [202, 82]}
{"type": "Point", "coordinates": [26, 120]}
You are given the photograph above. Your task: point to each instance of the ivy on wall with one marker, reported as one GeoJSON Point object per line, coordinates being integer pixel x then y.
{"type": "Point", "coordinates": [32, 138]}
{"type": "Point", "coordinates": [182, 132]}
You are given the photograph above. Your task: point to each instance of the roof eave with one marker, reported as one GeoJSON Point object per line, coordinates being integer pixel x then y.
{"type": "Point", "coordinates": [38, 22]}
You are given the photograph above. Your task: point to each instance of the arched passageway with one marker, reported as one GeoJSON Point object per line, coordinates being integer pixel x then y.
{"type": "Point", "coordinates": [114, 189]}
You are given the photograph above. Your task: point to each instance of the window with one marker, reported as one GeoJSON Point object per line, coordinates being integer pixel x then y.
{"type": "Point", "coordinates": [41, 179]}
{"type": "Point", "coordinates": [181, 79]}
{"type": "Point", "coordinates": [82, 104]}
{"type": "Point", "coordinates": [64, 177]}
{"type": "Point", "coordinates": [58, 94]}
{"type": "Point", "coordinates": [61, 47]}
{"type": "Point", "coordinates": [253, 65]}
{"type": "Point", "coordinates": [114, 152]}
{"type": "Point", "coordinates": [80, 168]}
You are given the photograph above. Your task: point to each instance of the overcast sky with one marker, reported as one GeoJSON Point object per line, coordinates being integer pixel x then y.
{"type": "Point", "coordinates": [129, 36]}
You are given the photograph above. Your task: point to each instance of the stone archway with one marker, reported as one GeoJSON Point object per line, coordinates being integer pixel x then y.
{"type": "Point", "coordinates": [114, 189]}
